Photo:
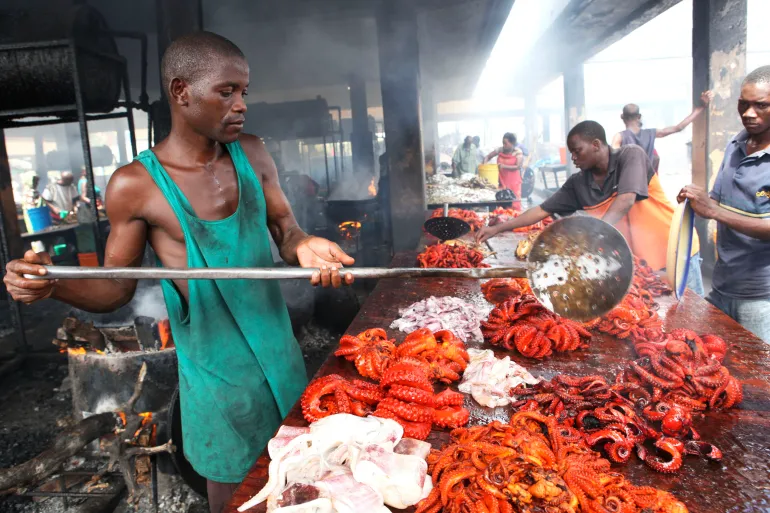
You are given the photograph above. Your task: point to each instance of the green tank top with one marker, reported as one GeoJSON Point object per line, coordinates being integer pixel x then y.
{"type": "Point", "coordinates": [240, 368]}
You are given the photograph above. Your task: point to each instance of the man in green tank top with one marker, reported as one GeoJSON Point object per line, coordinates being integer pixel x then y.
{"type": "Point", "coordinates": [208, 196]}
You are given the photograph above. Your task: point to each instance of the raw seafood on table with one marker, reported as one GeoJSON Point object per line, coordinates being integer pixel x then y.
{"type": "Point", "coordinates": [442, 313]}
{"type": "Point", "coordinates": [441, 354]}
{"type": "Point", "coordinates": [333, 394]}
{"type": "Point", "coordinates": [466, 189]}
{"type": "Point", "coordinates": [406, 374]}
{"type": "Point", "coordinates": [503, 215]}
{"type": "Point", "coordinates": [532, 464]}
{"type": "Point", "coordinates": [524, 323]}
{"type": "Point", "coordinates": [469, 216]}
{"type": "Point", "coordinates": [470, 244]}
{"type": "Point", "coordinates": [685, 369]}
{"type": "Point", "coordinates": [646, 278]}
{"type": "Point", "coordinates": [497, 290]}
{"type": "Point", "coordinates": [634, 317]}
{"type": "Point", "coordinates": [450, 257]}
{"type": "Point", "coordinates": [617, 419]}
{"type": "Point", "coordinates": [344, 464]}
{"type": "Point", "coordinates": [370, 350]}
{"type": "Point", "coordinates": [410, 400]}
{"type": "Point", "coordinates": [651, 402]}
{"type": "Point", "coordinates": [489, 380]}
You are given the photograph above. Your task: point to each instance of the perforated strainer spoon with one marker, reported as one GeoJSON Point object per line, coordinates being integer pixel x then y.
{"type": "Point", "coordinates": [579, 267]}
{"type": "Point", "coordinates": [446, 228]}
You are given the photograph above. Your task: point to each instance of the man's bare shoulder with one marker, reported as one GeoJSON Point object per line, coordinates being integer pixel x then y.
{"type": "Point", "coordinates": [128, 188]}
{"type": "Point", "coordinates": [131, 178]}
{"type": "Point", "coordinates": [255, 151]}
{"type": "Point", "coordinates": [252, 144]}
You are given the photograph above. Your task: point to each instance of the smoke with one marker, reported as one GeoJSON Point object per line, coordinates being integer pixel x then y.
{"type": "Point", "coordinates": [148, 301]}
{"type": "Point", "coordinates": [355, 186]}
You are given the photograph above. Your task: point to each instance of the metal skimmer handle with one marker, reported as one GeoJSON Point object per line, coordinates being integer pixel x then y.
{"type": "Point", "coordinates": [278, 273]}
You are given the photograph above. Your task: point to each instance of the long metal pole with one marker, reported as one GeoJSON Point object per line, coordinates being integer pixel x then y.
{"type": "Point", "coordinates": [17, 320]}
{"type": "Point", "coordinates": [129, 112]}
{"type": "Point", "coordinates": [326, 166]}
{"type": "Point", "coordinates": [268, 273]}
{"type": "Point", "coordinates": [83, 123]}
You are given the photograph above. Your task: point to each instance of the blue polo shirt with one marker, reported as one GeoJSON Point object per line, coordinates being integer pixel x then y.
{"type": "Point", "coordinates": [742, 186]}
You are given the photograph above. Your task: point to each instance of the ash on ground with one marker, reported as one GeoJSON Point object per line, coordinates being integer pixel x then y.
{"type": "Point", "coordinates": [316, 342]}
{"type": "Point", "coordinates": [35, 407]}
{"type": "Point", "coordinates": [174, 496]}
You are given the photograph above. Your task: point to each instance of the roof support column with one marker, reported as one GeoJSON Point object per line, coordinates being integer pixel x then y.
{"type": "Point", "coordinates": [719, 63]}
{"type": "Point", "coordinates": [400, 83]}
{"type": "Point", "coordinates": [430, 125]}
{"type": "Point", "coordinates": [361, 137]}
{"type": "Point", "coordinates": [175, 18]}
{"type": "Point", "coordinates": [530, 121]}
{"type": "Point", "coordinates": [574, 101]}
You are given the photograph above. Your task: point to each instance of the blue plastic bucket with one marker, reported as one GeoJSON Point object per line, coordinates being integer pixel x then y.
{"type": "Point", "coordinates": [39, 218]}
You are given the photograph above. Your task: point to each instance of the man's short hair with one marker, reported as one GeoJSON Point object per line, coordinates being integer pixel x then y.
{"type": "Point", "coordinates": [589, 130]}
{"type": "Point", "coordinates": [760, 75]}
{"type": "Point", "coordinates": [510, 137]}
{"type": "Point", "coordinates": [630, 111]}
{"type": "Point", "coordinates": [188, 57]}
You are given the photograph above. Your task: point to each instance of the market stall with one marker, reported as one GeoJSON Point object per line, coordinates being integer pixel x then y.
{"type": "Point", "coordinates": [738, 482]}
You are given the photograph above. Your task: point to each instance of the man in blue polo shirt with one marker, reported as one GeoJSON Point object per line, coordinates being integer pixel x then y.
{"type": "Point", "coordinates": [740, 204]}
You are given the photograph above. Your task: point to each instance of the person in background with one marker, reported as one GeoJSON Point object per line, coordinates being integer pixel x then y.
{"type": "Point", "coordinates": [477, 144]}
{"type": "Point", "coordinates": [32, 198]}
{"type": "Point", "coordinates": [645, 137]}
{"type": "Point", "coordinates": [83, 187]}
{"type": "Point", "coordinates": [739, 202]}
{"type": "Point", "coordinates": [61, 196]}
{"type": "Point", "coordinates": [525, 152]}
{"type": "Point", "coordinates": [465, 158]}
{"type": "Point", "coordinates": [509, 161]}
{"type": "Point", "coordinates": [430, 162]}
{"type": "Point", "coordinates": [618, 186]}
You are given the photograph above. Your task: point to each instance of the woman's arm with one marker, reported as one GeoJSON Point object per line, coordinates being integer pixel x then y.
{"type": "Point", "coordinates": [491, 155]}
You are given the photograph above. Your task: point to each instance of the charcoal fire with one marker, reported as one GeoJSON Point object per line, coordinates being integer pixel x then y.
{"type": "Point", "coordinates": [77, 337]}
{"type": "Point", "coordinates": [349, 230]}
{"type": "Point", "coordinates": [129, 453]}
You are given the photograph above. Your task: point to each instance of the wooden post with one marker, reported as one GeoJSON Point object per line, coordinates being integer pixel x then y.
{"type": "Point", "coordinates": [719, 63]}
{"type": "Point", "coordinates": [400, 82]}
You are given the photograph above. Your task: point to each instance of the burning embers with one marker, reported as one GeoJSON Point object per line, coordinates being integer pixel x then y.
{"type": "Point", "coordinates": [79, 338]}
{"type": "Point", "coordinates": [349, 230]}
{"type": "Point", "coordinates": [372, 189]}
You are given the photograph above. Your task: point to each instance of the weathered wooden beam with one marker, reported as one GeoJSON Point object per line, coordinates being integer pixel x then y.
{"type": "Point", "coordinates": [719, 63]}
{"type": "Point", "coordinates": [400, 83]}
